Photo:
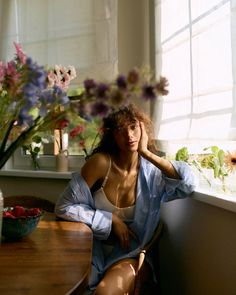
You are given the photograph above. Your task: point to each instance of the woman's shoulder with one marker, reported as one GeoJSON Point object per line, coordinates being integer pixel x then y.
{"type": "Point", "coordinates": [99, 159]}
{"type": "Point", "coordinates": [96, 166]}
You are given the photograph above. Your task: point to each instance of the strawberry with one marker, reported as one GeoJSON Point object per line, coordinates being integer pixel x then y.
{"type": "Point", "coordinates": [8, 214]}
{"type": "Point", "coordinates": [33, 211]}
{"type": "Point", "coordinates": [18, 211]}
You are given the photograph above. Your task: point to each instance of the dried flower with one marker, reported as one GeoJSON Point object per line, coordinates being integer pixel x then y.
{"type": "Point", "coordinates": [97, 100]}
{"type": "Point", "coordinates": [230, 160]}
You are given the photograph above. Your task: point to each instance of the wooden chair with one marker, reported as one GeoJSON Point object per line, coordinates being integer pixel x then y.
{"type": "Point", "coordinates": [155, 238]}
{"type": "Point", "coordinates": [29, 202]}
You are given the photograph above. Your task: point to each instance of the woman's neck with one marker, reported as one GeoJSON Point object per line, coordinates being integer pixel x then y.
{"type": "Point", "coordinates": [127, 162]}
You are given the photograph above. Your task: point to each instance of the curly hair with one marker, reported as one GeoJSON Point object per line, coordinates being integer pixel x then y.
{"type": "Point", "coordinates": [124, 116]}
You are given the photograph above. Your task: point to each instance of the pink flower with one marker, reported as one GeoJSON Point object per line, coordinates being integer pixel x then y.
{"type": "Point", "coordinates": [20, 54]}
{"type": "Point", "coordinates": [76, 131]}
{"type": "Point", "coordinates": [61, 76]}
{"type": "Point", "coordinates": [82, 143]}
{"type": "Point", "coordinates": [2, 70]}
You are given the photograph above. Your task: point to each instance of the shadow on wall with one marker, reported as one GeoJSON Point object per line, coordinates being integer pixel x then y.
{"type": "Point", "coordinates": [197, 249]}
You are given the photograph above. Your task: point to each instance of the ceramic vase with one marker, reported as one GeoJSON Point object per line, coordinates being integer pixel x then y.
{"type": "Point", "coordinates": [62, 161]}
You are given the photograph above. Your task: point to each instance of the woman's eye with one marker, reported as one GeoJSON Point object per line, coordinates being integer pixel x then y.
{"type": "Point", "coordinates": [133, 127]}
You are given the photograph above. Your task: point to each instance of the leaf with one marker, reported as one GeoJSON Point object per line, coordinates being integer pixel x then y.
{"type": "Point", "coordinates": [182, 154]}
{"type": "Point", "coordinates": [215, 149]}
{"type": "Point", "coordinates": [221, 155]}
{"type": "Point", "coordinates": [37, 139]}
{"type": "Point", "coordinates": [216, 171]}
{"type": "Point", "coordinates": [36, 150]}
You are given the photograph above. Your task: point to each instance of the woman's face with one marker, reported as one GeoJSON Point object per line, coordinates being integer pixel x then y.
{"type": "Point", "coordinates": [127, 137]}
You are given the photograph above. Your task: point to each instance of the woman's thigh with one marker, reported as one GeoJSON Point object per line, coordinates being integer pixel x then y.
{"type": "Point", "coordinates": [118, 279]}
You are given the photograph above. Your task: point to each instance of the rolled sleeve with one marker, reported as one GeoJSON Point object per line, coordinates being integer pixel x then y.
{"type": "Point", "coordinates": [102, 222]}
{"type": "Point", "coordinates": [180, 188]}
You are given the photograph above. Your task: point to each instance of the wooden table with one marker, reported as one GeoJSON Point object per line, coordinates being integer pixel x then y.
{"type": "Point", "coordinates": [54, 259]}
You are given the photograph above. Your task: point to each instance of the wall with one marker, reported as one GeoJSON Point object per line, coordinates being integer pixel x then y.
{"type": "Point", "coordinates": [40, 187]}
{"type": "Point", "coordinates": [135, 44]}
{"type": "Point", "coordinates": [198, 249]}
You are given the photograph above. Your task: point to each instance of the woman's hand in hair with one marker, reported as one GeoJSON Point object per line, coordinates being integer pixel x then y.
{"type": "Point", "coordinates": [143, 142]}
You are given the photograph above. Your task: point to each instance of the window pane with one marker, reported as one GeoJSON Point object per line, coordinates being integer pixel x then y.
{"type": "Point", "coordinates": [176, 67]}
{"type": "Point", "coordinates": [199, 7]}
{"type": "Point", "coordinates": [172, 109]}
{"type": "Point", "coordinates": [211, 127]}
{"type": "Point", "coordinates": [174, 16]}
{"type": "Point", "coordinates": [174, 130]}
{"type": "Point", "coordinates": [212, 61]}
{"type": "Point", "coordinates": [221, 102]}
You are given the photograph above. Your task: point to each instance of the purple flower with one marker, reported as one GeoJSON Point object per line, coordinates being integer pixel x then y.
{"type": "Point", "coordinates": [43, 111]}
{"type": "Point", "coordinates": [36, 74]}
{"type": "Point", "coordinates": [148, 92]}
{"type": "Point", "coordinates": [24, 118]}
{"type": "Point", "coordinates": [47, 97]}
{"type": "Point", "coordinates": [89, 85]}
{"type": "Point", "coordinates": [29, 89]}
{"type": "Point", "coordinates": [121, 82]}
{"type": "Point", "coordinates": [99, 109]}
{"type": "Point", "coordinates": [60, 95]}
{"type": "Point", "coordinates": [101, 91]}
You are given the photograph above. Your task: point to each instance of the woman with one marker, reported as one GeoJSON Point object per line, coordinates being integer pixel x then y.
{"type": "Point", "coordinates": [118, 194]}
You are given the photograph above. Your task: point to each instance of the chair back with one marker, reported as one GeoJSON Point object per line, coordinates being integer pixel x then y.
{"type": "Point", "coordinates": [142, 255]}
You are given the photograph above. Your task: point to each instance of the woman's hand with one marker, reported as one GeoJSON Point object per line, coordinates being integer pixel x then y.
{"type": "Point", "coordinates": [143, 142]}
{"type": "Point", "coordinates": [122, 232]}
{"type": "Point", "coordinates": [164, 165]}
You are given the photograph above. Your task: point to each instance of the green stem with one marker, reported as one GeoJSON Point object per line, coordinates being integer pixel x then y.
{"type": "Point", "coordinates": [5, 155]}
{"type": "Point", "coordinates": [94, 141]}
{"type": "Point", "coordinates": [4, 142]}
{"type": "Point", "coordinates": [200, 170]}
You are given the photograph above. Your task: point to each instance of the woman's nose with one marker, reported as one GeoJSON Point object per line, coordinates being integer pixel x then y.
{"type": "Point", "coordinates": [128, 132]}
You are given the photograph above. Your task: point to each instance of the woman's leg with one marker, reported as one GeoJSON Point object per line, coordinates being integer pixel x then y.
{"type": "Point", "coordinates": [119, 278]}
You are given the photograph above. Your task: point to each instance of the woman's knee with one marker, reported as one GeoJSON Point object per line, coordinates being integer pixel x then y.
{"type": "Point", "coordinates": [118, 280]}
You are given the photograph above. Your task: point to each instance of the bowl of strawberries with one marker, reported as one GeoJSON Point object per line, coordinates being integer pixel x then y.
{"type": "Point", "coordinates": [19, 221]}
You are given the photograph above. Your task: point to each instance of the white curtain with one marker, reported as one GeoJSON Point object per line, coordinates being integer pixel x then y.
{"type": "Point", "coordinates": [82, 33]}
{"type": "Point", "coordinates": [196, 51]}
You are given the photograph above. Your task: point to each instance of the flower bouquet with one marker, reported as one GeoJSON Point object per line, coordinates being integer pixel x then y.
{"type": "Point", "coordinates": [30, 102]}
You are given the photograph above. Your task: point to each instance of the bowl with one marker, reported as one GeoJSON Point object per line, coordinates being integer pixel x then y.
{"type": "Point", "coordinates": [19, 222]}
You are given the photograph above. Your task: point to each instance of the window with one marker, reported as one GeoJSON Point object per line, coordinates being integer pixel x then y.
{"type": "Point", "coordinates": [196, 52]}
{"type": "Point", "coordinates": [81, 33]}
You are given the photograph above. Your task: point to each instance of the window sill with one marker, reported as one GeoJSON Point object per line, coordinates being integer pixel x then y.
{"type": "Point", "coordinates": [36, 174]}
{"type": "Point", "coordinates": [221, 200]}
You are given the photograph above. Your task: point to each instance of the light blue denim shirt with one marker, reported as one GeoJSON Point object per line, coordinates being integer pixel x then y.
{"type": "Point", "coordinates": [76, 204]}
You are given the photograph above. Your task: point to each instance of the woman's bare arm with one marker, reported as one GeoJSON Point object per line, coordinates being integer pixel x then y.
{"type": "Point", "coordinates": [164, 165]}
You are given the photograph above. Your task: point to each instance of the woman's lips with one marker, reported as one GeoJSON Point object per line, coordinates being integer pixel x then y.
{"type": "Point", "coordinates": [131, 143]}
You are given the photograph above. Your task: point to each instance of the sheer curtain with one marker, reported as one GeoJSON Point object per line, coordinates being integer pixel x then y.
{"type": "Point", "coordinates": [82, 33]}
{"type": "Point", "coordinates": [196, 51]}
